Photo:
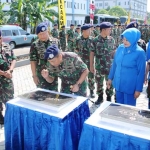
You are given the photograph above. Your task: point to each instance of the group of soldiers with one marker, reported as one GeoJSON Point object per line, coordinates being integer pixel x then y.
{"type": "Point", "coordinates": [79, 56]}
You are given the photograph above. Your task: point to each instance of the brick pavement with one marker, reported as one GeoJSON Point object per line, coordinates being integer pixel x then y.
{"type": "Point", "coordinates": [23, 82]}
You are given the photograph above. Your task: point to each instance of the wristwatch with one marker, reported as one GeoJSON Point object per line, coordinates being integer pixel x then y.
{"type": "Point", "coordinates": [11, 71]}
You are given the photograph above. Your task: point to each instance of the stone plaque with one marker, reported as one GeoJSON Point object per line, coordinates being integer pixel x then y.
{"type": "Point", "coordinates": [127, 114]}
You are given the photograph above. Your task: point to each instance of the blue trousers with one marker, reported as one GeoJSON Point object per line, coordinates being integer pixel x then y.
{"type": "Point", "coordinates": [127, 99]}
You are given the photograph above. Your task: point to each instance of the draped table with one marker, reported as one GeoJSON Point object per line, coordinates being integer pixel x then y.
{"type": "Point", "coordinates": [30, 127]}
{"type": "Point", "coordinates": [99, 134]}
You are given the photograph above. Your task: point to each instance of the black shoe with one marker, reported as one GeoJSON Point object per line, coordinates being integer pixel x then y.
{"type": "Point", "coordinates": [99, 100]}
{"type": "Point", "coordinates": [92, 95]}
{"type": "Point", "coordinates": [109, 98]}
{"type": "Point", "coordinates": [1, 118]}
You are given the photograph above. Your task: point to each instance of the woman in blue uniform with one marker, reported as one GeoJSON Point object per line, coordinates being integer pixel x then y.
{"type": "Point", "coordinates": [128, 68]}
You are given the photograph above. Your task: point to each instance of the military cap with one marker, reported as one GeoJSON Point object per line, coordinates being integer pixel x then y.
{"type": "Point", "coordinates": [71, 24]}
{"type": "Point", "coordinates": [104, 25]}
{"type": "Point", "coordinates": [51, 52]}
{"type": "Point", "coordinates": [62, 26]}
{"type": "Point", "coordinates": [85, 27]}
{"type": "Point", "coordinates": [146, 25]}
{"type": "Point", "coordinates": [92, 25]}
{"type": "Point", "coordinates": [132, 24]}
{"type": "Point", "coordinates": [55, 24]}
{"type": "Point", "coordinates": [41, 28]}
{"type": "Point", "coordinates": [78, 25]}
{"type": "Point", "coordinates": [119, 24]}
{"type": "Point", "coordinates": [97, 25]}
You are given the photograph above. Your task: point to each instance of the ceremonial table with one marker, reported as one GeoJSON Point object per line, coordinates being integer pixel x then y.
{"type": "Point", "coordinates": [36, 126]}
{"type": "Point", "coordinates": [102, 131]}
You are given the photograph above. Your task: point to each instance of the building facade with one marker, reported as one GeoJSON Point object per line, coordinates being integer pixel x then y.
{"type": "Point", "coordinates": [138, 7]}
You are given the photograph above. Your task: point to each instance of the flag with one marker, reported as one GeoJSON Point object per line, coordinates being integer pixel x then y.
{"type": "Point", "coordinates": [128, 20]}
{"type": "Point", "coordinates": [145, 20]}
{"type": "Point", "coordinates": [62, 13]}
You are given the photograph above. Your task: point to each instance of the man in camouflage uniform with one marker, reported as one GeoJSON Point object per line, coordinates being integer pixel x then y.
{"type": "Point", "coordinates": [104, 47]}
{"type": "Point", "coordinates": [7, 64]}
{"type": "Point", "coordinates": [62, 38]}
{"type": "Point", "coordinates": [38, 63]}
{"type": "Point", "coordinates": [119, 32]}
{"type": "Point", "coordinates": [69, 67]}
{"type": "Point", "coordinates": [114, 33]}
{"type": "Point", "coordinates": [83, 47]}
{"type": "Point", "coordinates": [70, 38]}
{"type": "Point", "coordinates": [77, 33]}
{"type": "Point", "coordinates": [54, 31]}
{"type": "Point", "coordinates": [97, 30]}
{"type": "Point", "coordinates": [92, 31]}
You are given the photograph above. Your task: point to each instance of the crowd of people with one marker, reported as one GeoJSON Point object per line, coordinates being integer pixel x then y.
{"type": "Point", "coordinates": [83, 57]}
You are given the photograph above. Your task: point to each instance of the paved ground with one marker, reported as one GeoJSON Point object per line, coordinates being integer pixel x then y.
{"type": "Point", "coordinates": [23, 82]}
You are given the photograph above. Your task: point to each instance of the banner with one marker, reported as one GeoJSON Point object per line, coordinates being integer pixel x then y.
{"type": "Point", "coordinates": [128, 20]}
{"type": "Point", "coordinates": [62, 13]}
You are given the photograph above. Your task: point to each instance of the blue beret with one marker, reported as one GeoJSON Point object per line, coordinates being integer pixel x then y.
{"type": "Point", "coordinates": [92, 25]}
{"type": "Point", "coordinates": [51, 52]}
{"type": "Point", "coordinates": [85, 27]}
{"type": "Point", "coordinates": [104, 25]}
{"type": "Point", "coordinates": [71, 24]}
{"type": "Point", "coordinates": [62, 26]}
{"type": "Point", "coordinates": [55, 24]}
{"type": "Point", "coordinates": [41, 28]}
{"type": "Point", "coordinates": [97, 25]}
{"type": "Point", "coordinates": [78, 25]}
{"type": "Point", "coordinates": [132, 24]}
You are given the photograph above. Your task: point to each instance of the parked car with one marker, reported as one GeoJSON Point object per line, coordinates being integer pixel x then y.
{"type": "Point", "coordinates": [15, 35]}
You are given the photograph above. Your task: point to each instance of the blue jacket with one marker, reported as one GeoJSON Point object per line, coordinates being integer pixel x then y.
{"type": "Point", "coordinates": [128, 68]}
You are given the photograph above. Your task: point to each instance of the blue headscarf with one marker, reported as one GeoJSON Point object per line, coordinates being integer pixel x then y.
{"type": "Point", "coordinates": [132, 35]}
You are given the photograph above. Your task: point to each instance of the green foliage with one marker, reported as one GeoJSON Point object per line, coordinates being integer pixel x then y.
{"type": "Point", "coordinates": [3, 15]}
{"type": "Point", "coordinates": [31, 12]}
{"type": "Point", "coordinates": [102, 11]}
{"type": "Point", "coordinates": [117, 11]}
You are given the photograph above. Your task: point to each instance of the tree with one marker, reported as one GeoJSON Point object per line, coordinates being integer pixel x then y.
{"type": "Point", "coordinates": [27, 12]}
{"type": "Point", "coordinates": [117, 11]}
{"type": "Point", "coordinates": [3, 18]}
{"type": "Point", "coordinates": [102, 11]}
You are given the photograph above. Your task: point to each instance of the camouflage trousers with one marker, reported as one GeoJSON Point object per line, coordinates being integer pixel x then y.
{"type": "Point", "coordinates": [63, 45]}
{"type": "Point", "coordinates": [65, 88]}
{"type": "Point", "coordinates": [49, 86]}
{"type": "Point", "coordinates": [100, 84]}
{"type": "Point", "coordinates": [91, 81]}
{"type": "Point", "coordinates": [6, 90]}
{"type": "Point", "coordinates": [70, 46]}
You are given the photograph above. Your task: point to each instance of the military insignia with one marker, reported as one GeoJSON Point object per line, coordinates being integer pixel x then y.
{"type": "Point", "coordinates": [43, 29]}
{"type": "Point", "coordinates": [51, 56]}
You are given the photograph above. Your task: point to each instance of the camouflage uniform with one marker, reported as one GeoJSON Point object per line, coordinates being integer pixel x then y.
{"type": "Point", "coordinates": [62, 37]}
{"type": "Point", "coordinates": [6, 84]}
{"type": "Point", "coordinates": [37, 51]}
{"type": "Point", "coordinates": [103, 50]}
{"type": "Point", "coordinates": [70, 41]}
{"type": "Point", "coordinates": [69, 71]}
{"type": "Point", "coordinates": [84, 46]}
{"type": "Point", "coordinates": [114, 34]}
{"type": "Point", "coordinates": [54, 33]}
{"type": "Point", "coordinates": [119, 32]}
{"type": "Point", "coordinates": [92, 33]}
{"type": "Point", "coordinates": [96, 32]}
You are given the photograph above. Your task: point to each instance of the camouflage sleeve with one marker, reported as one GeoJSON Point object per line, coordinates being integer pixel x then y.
{"type": "Point", "coordinates": [33, 53]}
{"type": "Point", "coordinates": [68, 32]}
{"type": "Point", "coordinates": [13, 55]}
{"type": "Point", "coordinates": [93, 46]}
{"type": "Point", "coordinates": [79, 64]}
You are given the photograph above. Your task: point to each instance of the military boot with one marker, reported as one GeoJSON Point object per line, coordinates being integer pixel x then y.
{"type": "Point", "coordinates": [108, 98]}
{"type": "Point", "coordinates": [1, 115]}
{"type": "Point", "coordinates": [99, 100]}
{"type": "Point", "coordinates": [92, 95]}
{"type": "Point", "coordinates": [1, 118]}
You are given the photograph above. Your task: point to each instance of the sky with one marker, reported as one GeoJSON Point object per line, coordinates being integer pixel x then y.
{"type": "Point", "coordinates": [148, 5]}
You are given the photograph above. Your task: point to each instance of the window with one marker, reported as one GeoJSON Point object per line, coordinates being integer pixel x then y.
{"type": "Point", "coordinates": [128, 3]}
{"type": "Point", "coordinates": [75, 6]}
{"type": "Point", "coordinates": [15, 32]}
{"type": "Point", "coordinates": [6, 33]}
{"type": "Point", "coordinates": [119, 3]}
{"type": "Point", "coordinates": [100, 4]}
{"type": "Point", "coordinates": [84, 6]}
{"type": "Point", "coordinates": [81, 5]}
{"type": "Point", "coordinates": [23, 32]}
{"type": "Point", "coordinates": [106, 4]}
{"type": "Point", "coordinates": [125, 3]}
{"type": "Point", "coordinates": [78, 5]}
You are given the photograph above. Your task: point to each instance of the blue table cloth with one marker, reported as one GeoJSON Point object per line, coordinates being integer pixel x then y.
{"type": "Point", "coordinates": [34, 128]}
{"type": "Point", "coordinates": [103, 135]}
